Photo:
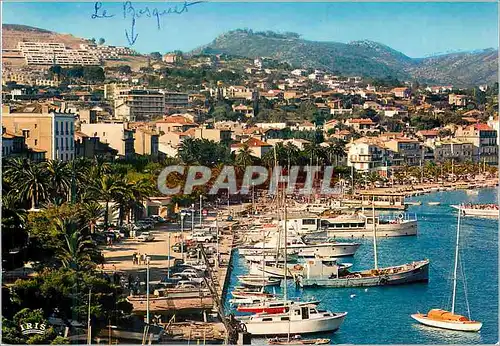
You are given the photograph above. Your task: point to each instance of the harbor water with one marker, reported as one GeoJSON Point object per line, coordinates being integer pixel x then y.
{"type": "Point", "coordinates": [381, 315]}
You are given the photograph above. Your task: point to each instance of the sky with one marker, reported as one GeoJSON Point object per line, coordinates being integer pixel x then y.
{"type": "Point", "coordinates": [415, 29]}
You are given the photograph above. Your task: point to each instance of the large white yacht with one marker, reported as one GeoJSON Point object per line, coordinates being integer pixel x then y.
{"type": "Point", "coordinates": [356, 225]}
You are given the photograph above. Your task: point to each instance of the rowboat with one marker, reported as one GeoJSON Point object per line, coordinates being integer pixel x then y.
{"type": "Point", "coordinates": [434, 203]}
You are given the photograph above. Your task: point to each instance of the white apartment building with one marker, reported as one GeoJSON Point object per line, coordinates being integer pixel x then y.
{"type": "Point", "coordinates": [365, 156]}
{"type": "Point", "coordinates": [49, 53]}
{"type": "Point", "coordinates": [132, 105]}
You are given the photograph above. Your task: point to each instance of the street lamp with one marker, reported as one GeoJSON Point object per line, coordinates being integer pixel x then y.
{"type": "Point", "coordinates": [147, 289]}
{"type": "Point", "coordinates": [182, 234]}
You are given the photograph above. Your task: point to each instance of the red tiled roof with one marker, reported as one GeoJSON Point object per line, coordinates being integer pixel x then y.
{"type": "Point", "coordinates": [483, 127]}
{"type": "Point", "coordinates": [176, 119]}
{"type": "Point", "coordinates": [361, 121]}
{"type": "Point", "coordinates": [252, 142]}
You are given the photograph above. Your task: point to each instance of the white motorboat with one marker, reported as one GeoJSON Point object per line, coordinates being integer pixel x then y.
{"type": "Point", "coordinates": [258, 281]}
{"type": "Point", "coordinates": [328, 266]}
{"type": "Point", "coordinates": [299, 319]}
{"type": "Point", "coordinates": [434, 203]}
{"type": "Point", "coordinates": [296, 245]}
{"type": "Point", "coordinates": [357, 225]}
{"type": "Point", "coordinates": [488, 210]}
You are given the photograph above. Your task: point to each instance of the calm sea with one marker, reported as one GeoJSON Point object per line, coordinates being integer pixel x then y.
{"type": "Point", "coordinates": [381, 315]}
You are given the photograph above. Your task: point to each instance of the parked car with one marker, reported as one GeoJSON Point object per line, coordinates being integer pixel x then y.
{"type": "Point", "coordinates": [177, 247]}
{"type": "Point", "coordinates": [201, 237]}
{"type": "Point", "coordinates": [145, 236]}
{"type": "Point", "coordinates": [157, 218]}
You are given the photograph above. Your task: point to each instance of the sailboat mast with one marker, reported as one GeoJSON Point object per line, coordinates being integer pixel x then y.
{"type": "Point", "coordinates": [285, 269]}
{"type": "Point", "coordinates": [374, 234]}
{"type": "Point", "coordinates": [456, 265]}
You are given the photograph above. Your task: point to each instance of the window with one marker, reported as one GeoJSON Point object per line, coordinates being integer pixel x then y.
{"type": "Point", "coordinates": [36, 125]}
{"type": "Point", "coordinates": [285, 318]}
{"type": "Point", "coordinates": [57, 127]}
{"type": "Point", "coordinates": [67, 127]}
{"type": "Point", "coordinates": [36, 141]}
{"type": "Point", "coordinates": [26, 133]}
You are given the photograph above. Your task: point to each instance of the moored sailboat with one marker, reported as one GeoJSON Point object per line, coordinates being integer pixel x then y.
{"type": "Point", "coordinates": [443, 319]}
{"type": "Point", "coordinates": [394, 275]}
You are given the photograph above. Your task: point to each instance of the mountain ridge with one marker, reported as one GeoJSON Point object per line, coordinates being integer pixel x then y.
{"type": "Point", "coordinates": [364, 57]}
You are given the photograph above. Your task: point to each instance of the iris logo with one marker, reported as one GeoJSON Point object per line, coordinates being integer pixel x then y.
{"type": "Point", "coordinates": [33, 328]}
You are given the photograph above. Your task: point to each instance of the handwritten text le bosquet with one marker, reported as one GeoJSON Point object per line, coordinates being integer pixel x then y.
{"type": "Point", "coordinates": [134, 13]}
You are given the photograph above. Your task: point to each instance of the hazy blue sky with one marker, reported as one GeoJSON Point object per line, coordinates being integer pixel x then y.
{"type": "Point", "coordinates": [416, 29]}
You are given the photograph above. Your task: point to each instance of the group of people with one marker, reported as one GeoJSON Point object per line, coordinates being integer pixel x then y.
{"type": "Point", "coordinates": [137, 258]}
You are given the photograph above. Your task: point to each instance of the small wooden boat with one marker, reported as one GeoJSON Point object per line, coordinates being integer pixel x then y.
{"type": "Point", "coordinates": [297, 340]}
{"type": "Point", "coordinates": [447, 320]}
{"type": "Point", "coordinates": [434, 203]}
{"type": "Point", "coordinates": [414, 203]}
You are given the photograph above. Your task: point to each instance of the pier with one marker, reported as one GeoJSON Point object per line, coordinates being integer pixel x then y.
{"type": "Point", "coordinates": [185, 314]}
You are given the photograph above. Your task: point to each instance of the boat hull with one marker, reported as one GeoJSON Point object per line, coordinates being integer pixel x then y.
{"type": "Point", "coordinates": [478, 212]}
{"type": "Point", "coordinates": [418, 274]}
{"type": "Point", "coordinates": [383, 230]}
{"type": "Point", "coordinates": [309, 251]}
{"type": "Point", "coordinates": [468, 326]}
{"type": "Point", "coordinates": [326, 324]}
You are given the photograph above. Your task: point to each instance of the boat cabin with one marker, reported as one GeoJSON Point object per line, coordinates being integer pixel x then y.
{"type": "Point", "coordinates": [382, 200]}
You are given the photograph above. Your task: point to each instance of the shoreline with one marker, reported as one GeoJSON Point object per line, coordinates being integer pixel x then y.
{"type": "Point", "coordinates": [421, 189]}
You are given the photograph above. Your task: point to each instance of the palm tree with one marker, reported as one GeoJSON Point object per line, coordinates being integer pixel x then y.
{"type": "Point", "coordinates": [140, 190]}
{"type": "Point", "coordinates": [99, 168]}
{"type": "Point", "coordinates": [28, 179]}
{"type": "Point", "coordinates": [187, 151]}
{"type": "Point", "coordinates": [244, 156]}
{"type": "Point", "coordinates": [337, 150]}
{"type": "Point", "coordinates": [78, 248]}
{"type": "Point", "coordinates": [59, 178]}
{"type": "Point", "coordinates": [108, 187]}
{"type": "Point", "coordinates": [92, 212]}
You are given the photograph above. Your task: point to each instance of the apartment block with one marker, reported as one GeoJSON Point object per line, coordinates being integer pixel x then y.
{"type": "Point", "coordinates": [484, 139]}
{"type": "Point", "coordinates": [175, 100]}
{"type": "Point", "coordinates": [406, 150]}
{"type": "Point", "coordinates": [133, 105]}
{"type": "Point", "coordinates": [43, 128]}
{"type": "Point", "coordinates": [117, 135]}
{"type": "Point", "coordinates": [51, 53]}
{"type": "Point", "coordinates": [452, 149]}
{"type": "Point", "coordinates": [365, 155]}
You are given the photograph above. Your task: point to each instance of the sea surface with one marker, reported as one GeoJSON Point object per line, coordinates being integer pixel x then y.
{"type": "Point", "coordinates": [381, 315]}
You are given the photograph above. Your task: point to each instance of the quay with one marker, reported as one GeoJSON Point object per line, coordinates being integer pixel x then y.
{"type": "Point", "coordinates": [185, 314]}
